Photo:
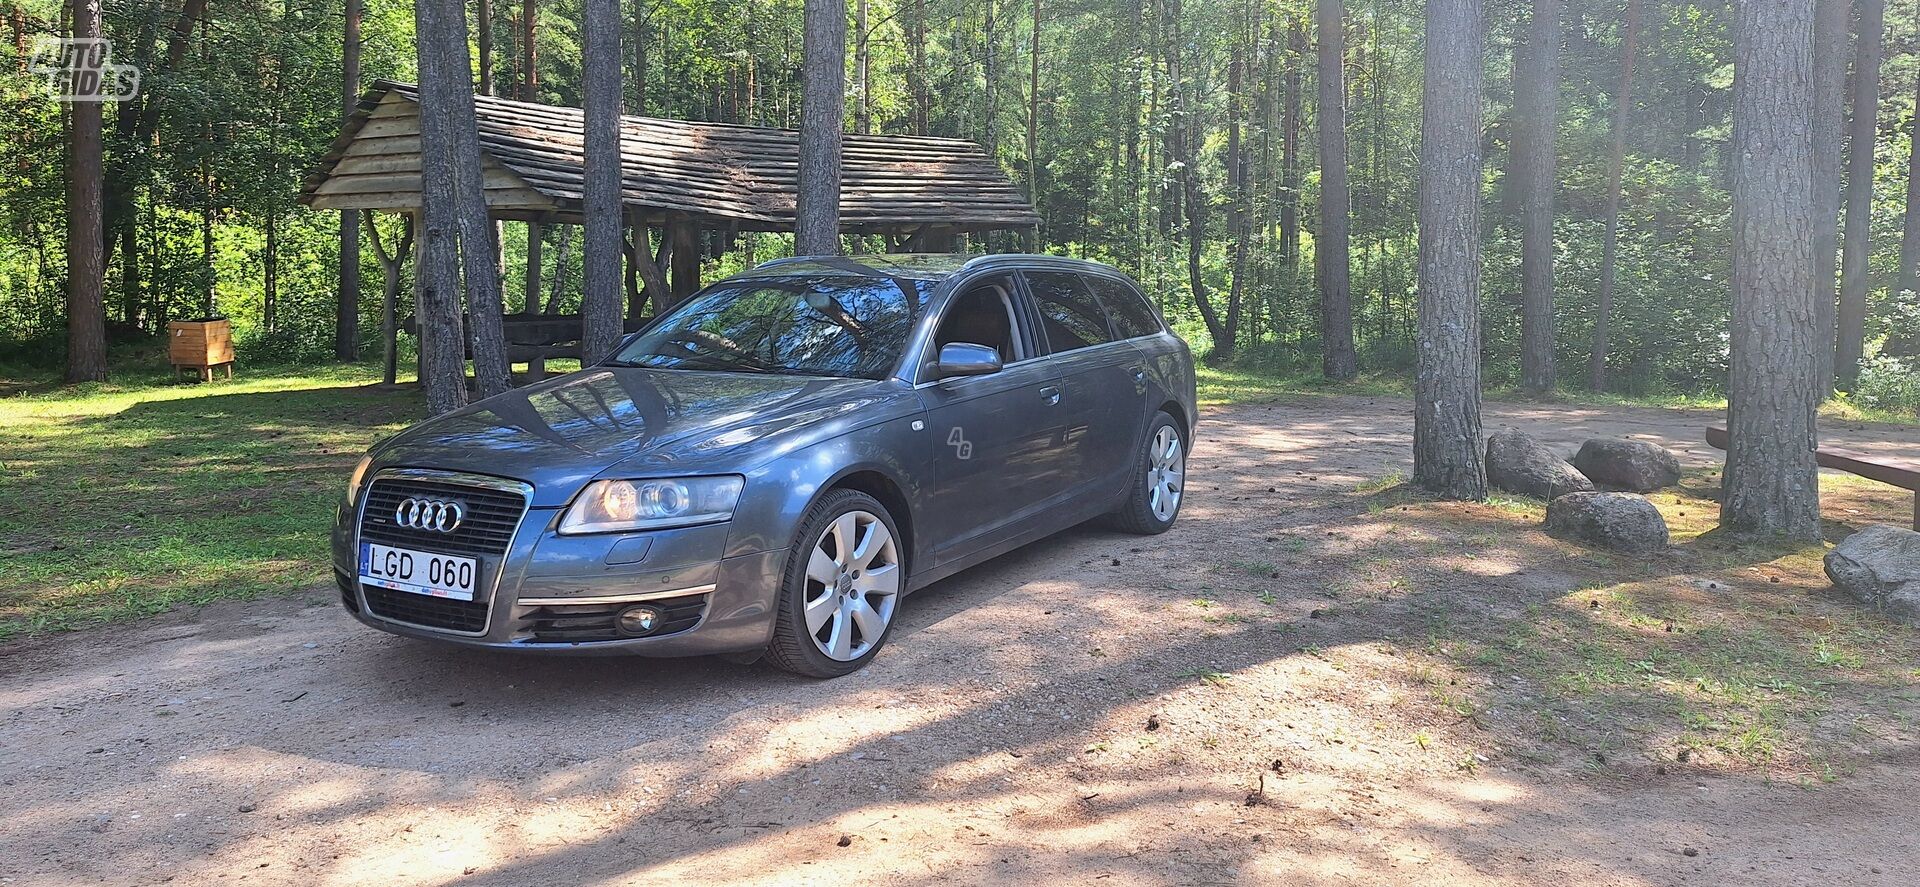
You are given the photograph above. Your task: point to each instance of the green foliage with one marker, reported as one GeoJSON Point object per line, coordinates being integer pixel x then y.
{"type": "Point", "coordinates": [254, 102]}
{"type": "Point", "coordinates": [1889, 384]}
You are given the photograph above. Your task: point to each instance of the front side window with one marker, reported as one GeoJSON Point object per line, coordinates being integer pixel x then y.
{"type": "Point", "coordinates": [804, 325]}
{"type": "Point", "coordinates": [1068, 311]}
{"type": "Point", "coordinates": [983, 314]}
{"type": "Point", "coordinates": [1131, 314]}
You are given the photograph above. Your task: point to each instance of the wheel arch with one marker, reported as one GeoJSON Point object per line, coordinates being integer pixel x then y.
{"type": "Point", "coordinates": [878, 484]}
{"type": "Point", "coordinates": [1179, 413]}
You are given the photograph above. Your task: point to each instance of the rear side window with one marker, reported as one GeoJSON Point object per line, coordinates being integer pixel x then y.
{"type": "Point", "coordinates": [1131, 314]}
{"type": "Point", "coordinates": [1068, 311]}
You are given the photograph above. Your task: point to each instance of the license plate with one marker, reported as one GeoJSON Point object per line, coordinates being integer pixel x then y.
{"type": "Point", "coordinates": [418, 572]}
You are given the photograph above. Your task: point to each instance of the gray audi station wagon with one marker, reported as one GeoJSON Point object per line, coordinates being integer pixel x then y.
{"type": "Point", "coordinates": [771, 466]}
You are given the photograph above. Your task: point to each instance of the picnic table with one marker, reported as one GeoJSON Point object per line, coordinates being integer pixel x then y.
{"type": "Point", "coordinates": [1903, 473]}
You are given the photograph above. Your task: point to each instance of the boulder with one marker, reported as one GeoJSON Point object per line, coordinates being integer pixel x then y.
{"type": "Point", "coordinates": [1620, 521]}
{"type": "Point", "coordinates": [1615, 463]}
{"type": "Point", "coordinates": [1880, 567]}
{"type": "Point", "coordinates": [1519, 464]}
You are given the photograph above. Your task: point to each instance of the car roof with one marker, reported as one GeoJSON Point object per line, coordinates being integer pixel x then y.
{"type": "Point", "coordinates": [916, 266]}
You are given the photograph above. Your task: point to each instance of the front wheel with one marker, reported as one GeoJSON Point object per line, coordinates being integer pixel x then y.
{"type": "Point", "coordinates": [1157, 483]}
{"type": "Point", "coordinates": [842, 584]}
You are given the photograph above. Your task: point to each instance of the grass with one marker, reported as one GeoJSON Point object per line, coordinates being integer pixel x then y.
{"type": "Point", "coordinates": [1219, 386]}
{"type": "Point", "coordinates": [127, 498]}
{"type": "Point", "coordinates": [1719, 655]}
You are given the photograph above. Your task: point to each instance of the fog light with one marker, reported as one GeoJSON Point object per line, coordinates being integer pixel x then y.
{"type": "Point", "coordinates": [638, 620]}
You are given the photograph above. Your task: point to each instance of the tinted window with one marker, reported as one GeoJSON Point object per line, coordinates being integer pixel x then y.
{"type": "Point", "coordinates": [813, 325]}
{"type": "Point", "coordinates": [1068, 310]}
{"type": "Point", "coordinates": [1131, 314]}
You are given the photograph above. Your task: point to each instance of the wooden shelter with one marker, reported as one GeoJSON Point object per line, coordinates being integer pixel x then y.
{"type": "Point", "coordinates": [689, 179]}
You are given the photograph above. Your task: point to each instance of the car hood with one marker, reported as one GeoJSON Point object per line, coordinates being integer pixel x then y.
{"type": "Point", "coordinates": [562, 433]}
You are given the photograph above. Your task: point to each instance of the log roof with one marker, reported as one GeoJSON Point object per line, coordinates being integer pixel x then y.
{"type": "Point", "coordinates": [740, 177]}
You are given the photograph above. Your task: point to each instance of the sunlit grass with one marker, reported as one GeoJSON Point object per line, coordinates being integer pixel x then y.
{"type": "Point", "coordinates": [129, 497]}
{"type": "Point", "coordinates": [1720, 654]}
{"type": "Point", "coordinates": [1220, 386]}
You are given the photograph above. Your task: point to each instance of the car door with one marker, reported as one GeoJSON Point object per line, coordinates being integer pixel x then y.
{"type": "Point", "coordinates": [1096, 371]}
{"type": "Point", "coordinates": [1135, 322]}
{"type": "Point", "coordinates": [998, 440]}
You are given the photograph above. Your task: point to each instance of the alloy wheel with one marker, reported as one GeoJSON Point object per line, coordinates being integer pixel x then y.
{"type": "Point", "coordinates": [1166, 473]}
{"type": "Point", "coordinates": [853, 585]}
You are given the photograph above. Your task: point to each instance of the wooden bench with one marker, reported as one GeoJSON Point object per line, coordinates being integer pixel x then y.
{"type": "Point", "coordinates": [534, 339]}
{"type": "Point", "coordinates": [1901, 473]}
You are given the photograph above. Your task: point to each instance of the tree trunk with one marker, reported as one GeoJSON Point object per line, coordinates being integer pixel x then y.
{"type": "Point", "coordinates": [346, 334]}
{"type": "Point", "coordinates": [390, 264]}
{"type": "Point", "coordinates": [443, 371]}
{"type": "Point", "coordinates": [1290, 147]}
{"type": "Point", "coordinates": [483, 43]}
{"type": "Point", "coordinates": [1861, 137]}
{"type": "Point", "coordinates": [1536, 108]}
{"type": "Point", "coordinates": [1338, 360]}
{"type": "Point", "coordinates": [1237, 189]}
{"type": "Point", "coordinates": [270, 270]}
{"type": "Point", "coordinates": [600, 308]}
{"type": "Point", "coordinates": [135, 123]}
{"type": "Point", "coordinates": [990, 71]}
{"type": "Point", "coordinates": [1616, 169]}
{"type": "Point", "coordinates": [86, 310]}
{"type": "Point", "coordinates": [1910, 225]}
{"type": "Point", "coordinates": [529, 54]}
{"type": "Point", "coordinates": [642, 35]}
{"type": "Point", "coordinates": [917, 73]}
{"type": "Point", "coordinates": [863, 120]}
{"type": "Point", "coordinates": [1832, 19]}
{"type": "Point", "coordinates": [1446, 422]}
{"type": "Point", "coordinates": [1771, 486]}
{"type": "Point", "coordinates": [481, 270]}
{"type": "Point", "coordinates": [816, 229]}
{"type": "Point", "coordinates": [1033, 114]}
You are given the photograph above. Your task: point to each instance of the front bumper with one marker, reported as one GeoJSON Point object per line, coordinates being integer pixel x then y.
{"type": "Point", "coordinates": [720, 604]}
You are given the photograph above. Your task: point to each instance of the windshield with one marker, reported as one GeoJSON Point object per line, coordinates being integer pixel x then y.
{"type": "Point", "coordinates": [804, 325]}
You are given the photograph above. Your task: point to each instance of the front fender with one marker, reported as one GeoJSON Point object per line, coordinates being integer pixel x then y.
{"type": "Point", "coordinates": [778, 493]}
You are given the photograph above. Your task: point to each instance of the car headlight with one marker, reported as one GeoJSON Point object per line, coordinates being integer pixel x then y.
{"type": "Point", "coordinates": [359, 474]}
{"type": "Point", "coordinates": [607, 506]}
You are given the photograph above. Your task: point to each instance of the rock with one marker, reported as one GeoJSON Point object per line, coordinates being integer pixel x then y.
{"type": "Point", "coordinates": [1519, 464]}
{"type": "Point", "coordinates": [1880, 567]}
{"type": "Point", "coordinates": [1620, 521]}
{"type": "Point", "coordinates": [1614, 463]}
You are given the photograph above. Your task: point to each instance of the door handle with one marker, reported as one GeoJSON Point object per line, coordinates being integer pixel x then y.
{"type": "Point", "coordinates": [1051, 395]}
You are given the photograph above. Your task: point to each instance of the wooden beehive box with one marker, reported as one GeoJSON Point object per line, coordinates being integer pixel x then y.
{"type": "Point", "coordinates": [201, 344]}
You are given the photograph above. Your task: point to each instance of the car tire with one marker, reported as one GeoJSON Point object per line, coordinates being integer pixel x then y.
{"type": "Point", "coordinates": [1156, 488]}
{"type": "Point", "coordinates": [838, 599]}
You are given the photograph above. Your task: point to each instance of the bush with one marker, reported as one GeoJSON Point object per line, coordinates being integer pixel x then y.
{"type": "Point", "coordinates": [1889, 383]}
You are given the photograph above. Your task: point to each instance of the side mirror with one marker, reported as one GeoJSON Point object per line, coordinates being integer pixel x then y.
{"type": "Point", "coordinates": [967, 359]}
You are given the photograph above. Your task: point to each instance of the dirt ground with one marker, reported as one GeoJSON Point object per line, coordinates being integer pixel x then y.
{"type": "Point", "coordinates": [1316, 678]}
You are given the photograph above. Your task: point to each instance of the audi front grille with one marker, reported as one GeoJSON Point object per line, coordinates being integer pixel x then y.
{"type": "Point", "coordinates": [489, 517]}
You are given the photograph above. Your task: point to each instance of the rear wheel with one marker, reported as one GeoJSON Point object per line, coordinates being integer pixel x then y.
{"type": "Point", "coordinates": [842, 584]}
{"type": "Point", "coordinates": [1158, 481]}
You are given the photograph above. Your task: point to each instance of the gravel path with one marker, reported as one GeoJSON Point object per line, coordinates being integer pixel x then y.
{"type": "Point", "coordinates": [1035, 720]}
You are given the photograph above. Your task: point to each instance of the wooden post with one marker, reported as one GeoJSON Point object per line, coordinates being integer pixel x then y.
{"type": "Point", "coordinates": [647, 262]}
{"type": "Point", "coordinates": [530, 296]}
{"type": "Point", "coordinates": [685, 256]}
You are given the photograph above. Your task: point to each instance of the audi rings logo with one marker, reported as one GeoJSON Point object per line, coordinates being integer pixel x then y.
{"type": "Point", "coordinates": [429, 514]}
